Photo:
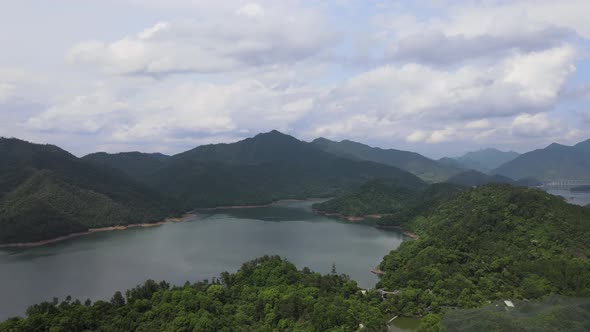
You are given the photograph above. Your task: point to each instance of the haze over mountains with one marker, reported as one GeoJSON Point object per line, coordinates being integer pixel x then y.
{"type": "Point", "coordinates": [483, 160]}
{"type": "Point", "coordinates": [425, 168]}
{"type": "Point", "coordinates": [47, 192]}
{"type": "Point", "coordinates": [556, 161]}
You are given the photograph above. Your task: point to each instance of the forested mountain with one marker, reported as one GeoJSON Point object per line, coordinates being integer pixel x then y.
{"type": "Point", "coordinates": [484, 160]}
{"type": "Point", "coordinates": [264, 168]}
{"type": "Point", "coordinates": [267, 294]}
{"type": "Point", "coordinates": [488, 243]}
{"type": "Point", "coordinates": [47, 192]}
{"type": "Point", "coordinates": [427, 169]}
{"type": "Point", "coordinates": [136, 164]}
{"type": "Point", "coordinates": [395, 205]}
{"type": "Point", "coordinates": [556, 161]}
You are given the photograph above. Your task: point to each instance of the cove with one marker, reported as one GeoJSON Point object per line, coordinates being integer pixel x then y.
{"type": "Point", "coordinates": [97, 265]}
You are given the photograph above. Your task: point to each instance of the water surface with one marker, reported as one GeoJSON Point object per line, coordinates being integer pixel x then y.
{"type": "Point", "coordinates": [97, 265]}
{"type": "Point", "coordinates": [579, 198]}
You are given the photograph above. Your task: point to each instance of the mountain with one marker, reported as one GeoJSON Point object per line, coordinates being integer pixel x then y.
{"type": "Point", "coordinates": [482, 160]}
{"type": "Point", "coordinates": [494, 242]}
{"type": "Point", "coordinates": [472, 178]}
{"type": "Point", "coordinates": [135, 164]}
{"type": "Point", "coordinates": [427, 169]}
{"type": "Point", "coordinates": [393, 204]}
{"type": "Point", "coordinates": [556, 161]}
{"type": "Point", "coordinates": [47, 192]}
{"type": "Point", "coordinates": [264, 168]}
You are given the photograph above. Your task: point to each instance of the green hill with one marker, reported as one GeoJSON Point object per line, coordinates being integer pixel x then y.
{"type": "Point", "coordinates": [553, 313]}
{"type": "Point", "coordinates": [556, 161]}
{"type": "Point", "coordinates": [267, 294]}
{"type": "Point", "coordinates": [135, 164]}
{"type": "Point", "coordinates": [490, 243]}
{"type": "Point", "coordinates": [427, 169]}
{"type": "Point", "coordinates": [485, 160]}
{"type": "Point", "coordinates": [473, 178]}
{"type": "Point", "coordinates": [46, 192]}
{"type": "Point", "coordinates": [395, 205]}
{"type": "Point", "coordinates": [264, 168]}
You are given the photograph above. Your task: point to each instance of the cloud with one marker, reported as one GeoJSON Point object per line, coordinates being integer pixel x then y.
{"type": "Point", "coordinates": [173, 112]}
{"type": "Point", "coordinates": [483, 31]}
{"type": "Point", "coordinates": [437, 48]}
{"type": "Point", "coordinates": [534, 125]}
{"type": "Point", "coordinates": [530, 82]}
{"type": "Point", "coordinates": [256, 37]}
{"type": "Point", "coordinates": [6, 91]}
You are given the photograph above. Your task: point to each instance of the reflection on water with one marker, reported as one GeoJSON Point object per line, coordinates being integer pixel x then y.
{"type": "Point", "coordinates": [97, 265]}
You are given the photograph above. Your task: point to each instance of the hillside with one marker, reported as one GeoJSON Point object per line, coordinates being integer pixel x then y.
{"type": "Point", "coordinates": [485, 160]}
{"type": "Point", "coordinates": [264, 168]}
{"type": "Point", "coordinates": [47, 192]}
{"type": "Point", "coordinates": [490, 243]}
{"type": "Point", "coordinates": [267, 294]}
{"type": "Point", "coordinates": [427, 169]}
{"type": "Point", "coordinates": [556, 161]}
{"type": "Point", "coordinates": [395, 205]}
{"type": "Point", "coordinates": [553, 313]}
{"type": "Point", "coordinates": [473, 178]}
{"type": "Point", "coordinates": [135, 164]}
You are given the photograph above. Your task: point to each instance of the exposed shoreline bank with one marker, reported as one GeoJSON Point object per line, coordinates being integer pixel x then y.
{"type": "Point", "coordinates": [141, 225]}
{"type": "Point", "coordinates": [352, 219]}
{"type": "Point", "coordinates": [185, 217]}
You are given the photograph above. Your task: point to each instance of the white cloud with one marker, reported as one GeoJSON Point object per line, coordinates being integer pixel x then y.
{"type": "Point", "coordinates": [534, 125]}
{"type": "Point", "coordinates": [256, 37]}
{"type": "Point", "coordinates": [483, 31]}
{"type": "Point", "coordinates": [530, 82]}
{"type": "Point", "coordinates": [177, 112]}
{"type": "Point", "coordinates": [6, 91]}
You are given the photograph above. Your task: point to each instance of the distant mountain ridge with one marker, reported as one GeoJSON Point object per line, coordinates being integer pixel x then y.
{"type": "Point", "coordinates": [482, 160]}
{"type": "Point", "coordinates": [415, 163]}
{"type": "Point", "coordinates": [263, 168]}
{"type": "Point", "coordinates": [555, 161]}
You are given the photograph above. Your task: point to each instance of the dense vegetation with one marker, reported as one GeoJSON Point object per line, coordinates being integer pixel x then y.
{"type": "Point", "coordinates": [427, 169]}
{"type": "Point", "coordinates": [135, 164]}
{"type": "Point", "coordinates": [554, 313]}
{"type": "Point", "coordinates": [267, 294]}
{"type": "Point", "coordinates": [482, 160]}
{"type": "Point", "coordinates": [553, 162]}
{"type": "Point", "coordinates": [264, 168]}
{"type": "Point", "coordinates": [472, 178]}
{"type": "Point", "coordinates": [395, 205]}
{"type": "Point", "coordinates": [46, 192]}
{"type": "Point", "coordinates": [492, 242]}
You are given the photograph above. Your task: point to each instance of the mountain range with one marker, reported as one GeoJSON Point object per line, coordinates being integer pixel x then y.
{"type": "Point", "coordinates": [47, 192]}
{"type": "Point", "coordinates": [427, 169]}
{"type": "Point", "coordinates": [555, 161]}
{"type": "Point", "coordinates": [483, 160]}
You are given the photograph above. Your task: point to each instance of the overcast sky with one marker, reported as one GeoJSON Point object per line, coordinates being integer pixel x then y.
{"type": "Point", "coordinates": [440, 78]}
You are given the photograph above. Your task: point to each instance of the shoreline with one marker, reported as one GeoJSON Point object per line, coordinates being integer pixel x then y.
{"type": "Point", "coordinates": [352, 219]}
{"type": "Point", "coordinates": [253, 206]}
{"type": "Point", "coordinates": [40, 243]}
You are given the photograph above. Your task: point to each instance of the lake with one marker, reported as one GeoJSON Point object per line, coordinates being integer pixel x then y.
{"type": "Point", "coordinates": [97, 265]}
{"type": "Point", "coordinates": [579, 198]}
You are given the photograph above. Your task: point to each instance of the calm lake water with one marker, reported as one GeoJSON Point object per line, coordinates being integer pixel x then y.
{"type": "Point", "coordinates": [97, 265]}
{"type": "Point", "coordinates": [578, 198]}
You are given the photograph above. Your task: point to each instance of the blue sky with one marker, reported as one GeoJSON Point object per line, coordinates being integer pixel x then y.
{"type": "Point", "coordinates": [437, 77]}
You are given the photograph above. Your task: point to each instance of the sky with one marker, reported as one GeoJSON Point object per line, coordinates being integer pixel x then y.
{"type": "Point", "coordinates": [437, 77]}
